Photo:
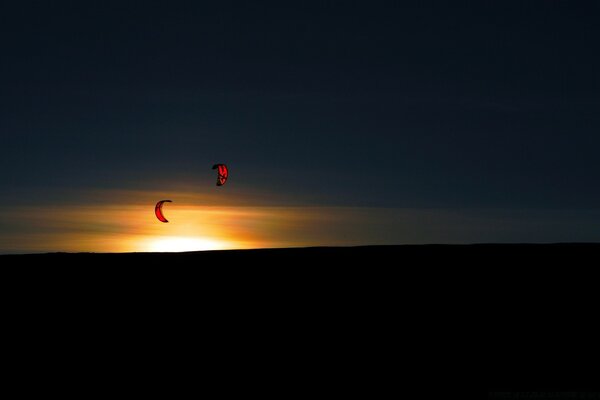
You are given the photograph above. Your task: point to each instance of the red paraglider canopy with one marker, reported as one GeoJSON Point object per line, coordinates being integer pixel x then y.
{"type": "Point", "coordinates": [158, 210]}
{"type": "Point", "coordinates": [223, 173]}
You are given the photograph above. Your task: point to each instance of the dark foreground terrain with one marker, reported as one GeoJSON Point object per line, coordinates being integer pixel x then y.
{"type": "Point", "coordinates": [324, 256]}
{"type": "Point", "coordinates": [424, 322]}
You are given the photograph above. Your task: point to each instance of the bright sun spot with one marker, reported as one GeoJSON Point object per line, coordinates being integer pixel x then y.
{"type": "Point", "coordinates": [178, 244]}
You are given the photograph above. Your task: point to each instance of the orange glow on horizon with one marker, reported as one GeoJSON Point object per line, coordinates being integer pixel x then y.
{"type": "Point", "coordinates": [179, 244]}
{"type": "Point", "coordinates": [129, 224]}
{"type": "Point", "coordinates": [133, 228]}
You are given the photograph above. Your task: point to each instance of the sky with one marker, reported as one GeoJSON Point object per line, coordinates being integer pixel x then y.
{"type": "Point", "coordinates": [342, 123]}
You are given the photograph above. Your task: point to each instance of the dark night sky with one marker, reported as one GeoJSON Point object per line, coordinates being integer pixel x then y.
{"type": "Point", "coordinates": [382, 104]}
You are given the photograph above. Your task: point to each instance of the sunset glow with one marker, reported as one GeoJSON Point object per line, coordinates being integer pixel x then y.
{"type": "Point", "coordinates": [117, 221]}
{"type": "Point", "coordinates": [179, 244]}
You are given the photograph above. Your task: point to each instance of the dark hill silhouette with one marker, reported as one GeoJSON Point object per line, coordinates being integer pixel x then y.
{"type": "Point", "coordinates": [434, 321]}
{"type": "Point", "coordinates": [489, 252]}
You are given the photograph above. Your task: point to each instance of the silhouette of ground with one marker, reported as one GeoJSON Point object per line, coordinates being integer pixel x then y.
{"type": "Point", "coordinates": [488, 253]}
{"type": "Point", "coordinates": [427, 322]}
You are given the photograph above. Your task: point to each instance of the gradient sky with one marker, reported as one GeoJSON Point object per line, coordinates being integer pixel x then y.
{"type": "Point", "coordinates": [343, 122]}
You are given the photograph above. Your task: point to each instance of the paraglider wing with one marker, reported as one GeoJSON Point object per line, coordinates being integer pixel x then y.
{"type": "Point", "coordinates": [158, 210]}
{"type": "Point", "coordinates": [223, 173]}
